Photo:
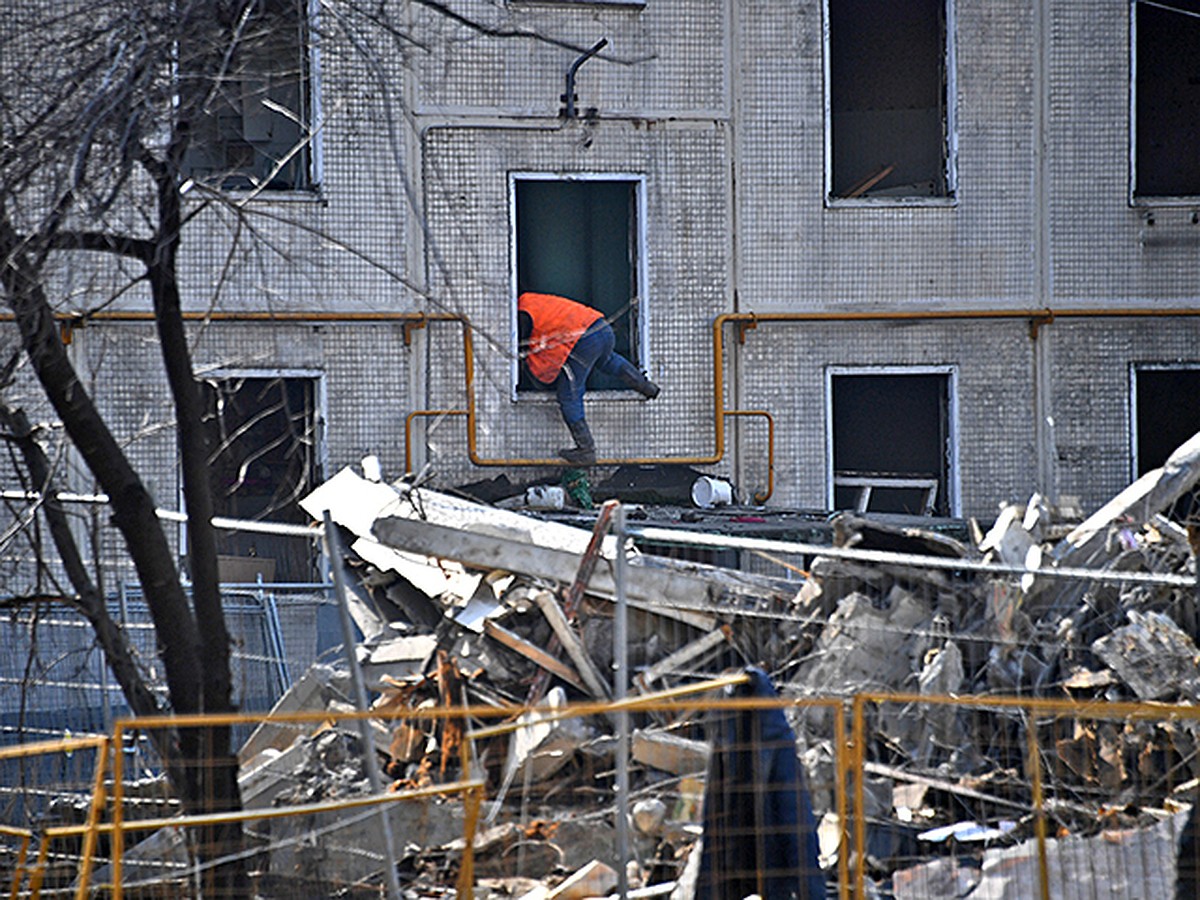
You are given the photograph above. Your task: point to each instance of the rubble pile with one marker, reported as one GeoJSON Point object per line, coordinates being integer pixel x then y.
{"type": "Point", "coordinates": [474, 605]}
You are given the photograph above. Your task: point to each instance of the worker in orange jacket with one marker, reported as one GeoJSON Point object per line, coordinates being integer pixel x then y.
{"type": "Point", "coordinates": [561, 342]}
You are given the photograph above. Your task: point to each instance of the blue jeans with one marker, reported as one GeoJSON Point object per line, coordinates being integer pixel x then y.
{"type": "Point", "coordinates": [594, 350]}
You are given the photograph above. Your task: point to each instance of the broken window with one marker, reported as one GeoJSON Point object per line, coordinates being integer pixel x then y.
{"type": "Point", "coordinates": [580, 238]}
{"type": "Point", "coordinates": [1166, 414]}
{"type": "Point", "coordinates": [891, 127]}
{"type": "Point", "coordinates": [892, 441]}
{"type": "Point", "coordinates": [250, 99]}
{"type": "Point", "coordinates": [262, 434]}
{"type": "Point", "coordinates": [1166, 98]}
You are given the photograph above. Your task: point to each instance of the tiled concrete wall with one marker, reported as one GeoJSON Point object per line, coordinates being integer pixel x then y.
{"type": "Point", "coordinates": [1091, 361]}
{"type": "Point", "coordinates": [719, 106]}
{"type": "Point", "coordinates": [687, 249]}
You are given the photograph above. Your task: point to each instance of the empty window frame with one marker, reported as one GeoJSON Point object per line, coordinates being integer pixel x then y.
{"type": "Point", "coordinates": [1166, 98]}
{"type": "Point", "coordinates": [1165, 409]}
{"type": "Point", "coordinates": [889, 87]}
{"type": "Point", "coordinates": [250, 98]}
{"type": "Point", "coordinates": [264, 439]}
{"type": "Point", "coordinates": [891, 440]}
{"type": "Point", "coordinates": [582, 237]}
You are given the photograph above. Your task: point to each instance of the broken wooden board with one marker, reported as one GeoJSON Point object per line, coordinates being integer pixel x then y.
{"type": "Point", "coordinates": [575, 649]}
{"type": "Point", "coordinates": [681, 657]}
{"type": "Point", "coordinates": [533, 653]}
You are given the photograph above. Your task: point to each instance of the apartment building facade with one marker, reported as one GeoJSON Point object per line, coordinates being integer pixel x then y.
{"type": "Point", "coordinates": [946, 250]}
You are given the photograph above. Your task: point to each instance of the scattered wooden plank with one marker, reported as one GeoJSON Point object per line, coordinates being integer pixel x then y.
{"type": "Point", "coordinates": [566, 636]}
{"type": "Point", "coordinates": [680, 657]}
{"type": "Point", "coordinates": [669, 752]}
{"type": "Point", "coordinates": [533, 653]}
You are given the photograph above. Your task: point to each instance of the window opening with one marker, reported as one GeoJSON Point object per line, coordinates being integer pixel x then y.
{"type": "Point", "coordinates": [262, 436]}
{"type": "Point", "coordinates": [579, 238]}
{"type": "Point", "coordinates": [1166, 106]}
{"type": "Point", "coordinates": [889, 77]}
{"type": "Point", "coordinates": [892, 442]}
{"type": "Point", "coordinates": [1166, 413]}
{"type": "Point", "coordinates": [251, 108]}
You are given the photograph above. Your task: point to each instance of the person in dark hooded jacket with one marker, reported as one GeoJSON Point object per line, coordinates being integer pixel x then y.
{"type": "Point", "coordinates": [759, 833]}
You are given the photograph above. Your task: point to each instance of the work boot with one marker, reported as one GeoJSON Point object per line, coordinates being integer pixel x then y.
{"type": "Point", "coordinates": [637, 380]}
{"type": "Point", "coordinates": [584, 451]}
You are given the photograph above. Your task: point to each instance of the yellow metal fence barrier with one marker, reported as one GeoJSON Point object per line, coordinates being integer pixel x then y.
{"type": "Point", "coordinates": [1072, 770]}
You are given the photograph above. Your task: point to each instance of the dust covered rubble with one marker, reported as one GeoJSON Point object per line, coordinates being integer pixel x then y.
{"type": "Point", "coordinates": [451, 597]}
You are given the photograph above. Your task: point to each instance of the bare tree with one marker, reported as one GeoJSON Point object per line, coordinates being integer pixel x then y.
{"type": "Point", "coordinates": [94, 153]}
{"type": "Point", "coordinates": [90, 163]}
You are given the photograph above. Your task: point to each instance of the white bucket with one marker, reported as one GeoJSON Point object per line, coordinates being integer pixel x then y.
{"type": "Point", "coordinates": [708, 492]}
{"type": "Point", "coordinates": [545, 496]}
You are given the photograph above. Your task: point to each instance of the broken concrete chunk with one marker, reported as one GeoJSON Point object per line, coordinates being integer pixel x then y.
{"type": "Point", "coordinates": [316, 689]}
{"type": "Point", "coordinates": [540, 748]}
{"type": "Point", "coordinates": [669, 752]}
{"type": "Point", "coordinates": [648, 815]}
{"type": "Point", "coordinates": [1008, 538]}
{"type": "Point", "coordinates": [594, 880]}
{"type": "Point", "coordinates": [864, 647]}
{"type": "Point", "coordinates": [1139, 502]}
{"type": "Point", "coordinates": [1152, 655]}
{"type": "Point", "coordinates": [399, 657]}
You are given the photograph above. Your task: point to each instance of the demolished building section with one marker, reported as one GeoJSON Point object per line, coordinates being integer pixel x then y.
{"type": "Point", "coordinates": [449, 585]}
{"type": "Point", "coordinates": [466, 606]}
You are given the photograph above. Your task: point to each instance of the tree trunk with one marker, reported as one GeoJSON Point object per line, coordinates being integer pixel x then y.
{"type": "Point", "coordinates": [221, 789]}
{"type": "Point", "coordinates": [88, 599]}
{"type": "Point", "coordinates": [134, 513]}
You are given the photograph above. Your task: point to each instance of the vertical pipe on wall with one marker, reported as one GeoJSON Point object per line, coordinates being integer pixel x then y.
{"type": "Point", "coordinates": [1043, 275]}
{"type": "Point", "coordinates": [733, 81]}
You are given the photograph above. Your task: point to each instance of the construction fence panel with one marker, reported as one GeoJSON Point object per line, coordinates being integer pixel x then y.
{"type": "Point", "coordinates": [1067, 799]}
{"type": "Point", "coordinates": [1064, 799]}
{"type": "Point", "coordinates": [58, 681]}
{"type": "Point", "coordinates": [48, 830]}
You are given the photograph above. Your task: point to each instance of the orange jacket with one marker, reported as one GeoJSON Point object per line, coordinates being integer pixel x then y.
{"type": "Point", "coordinates": [558, 324]}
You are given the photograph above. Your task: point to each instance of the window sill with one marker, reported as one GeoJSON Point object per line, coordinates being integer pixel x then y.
{"type": "Point", "coordinates": [1152, 202]}
{"type": "Point", "coordinates": [623, 396]}
{"type": "Point", "coordinates": [238, 195]}
{"type": "Point", "coordinates": [889, 202]}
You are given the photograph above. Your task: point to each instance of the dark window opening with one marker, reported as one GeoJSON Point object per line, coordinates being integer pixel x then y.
{"type": "Point", "coordinates": [887, 89]}
{"type": "Point", "coordinates": [1167, 99]}
{"type": "Point", "coordinates": [1168, 415]}
{"type": "Point", "coordinates": [249, 108]}
{"type": "Point", "coordinates": [578, 239]}
{"type": "Point", "coordinates": [891, 443]}
{"type": "Point", "coordinates": [262, 436]}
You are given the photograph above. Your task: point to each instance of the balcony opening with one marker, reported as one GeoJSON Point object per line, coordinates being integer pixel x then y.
{"type": "Point", "coordinates": [249, 100]}
{"type": "Point", "coordinates": [580, 238]}
{"type": "Point", "coordinates": [892, 441]}
{"type": "Point", "coordinates": [263, 440]}
{"type": "Point", "coordinates": [1166, 413]}
{"type": "Point", "coordinates": [1166, 92]}
{"type": "Point", "coordinates": [889, 79]}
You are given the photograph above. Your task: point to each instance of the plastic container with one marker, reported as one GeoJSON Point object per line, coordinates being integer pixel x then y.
{"type": "Point", "coordinates": [709, 492]}
{"type": "Point", "coordinates": [545, 496]}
